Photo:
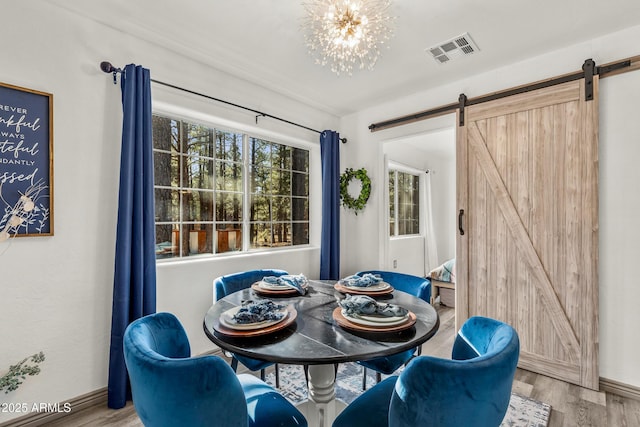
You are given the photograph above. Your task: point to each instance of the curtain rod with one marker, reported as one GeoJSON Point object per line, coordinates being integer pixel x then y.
{"type": "Point", "coordinates": [606, 70]}
{"type": "Point", "coordinates": [107, 67]}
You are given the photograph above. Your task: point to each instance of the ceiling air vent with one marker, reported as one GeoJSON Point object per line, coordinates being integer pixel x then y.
{"type": "Point", "coordinates": [451, 49]}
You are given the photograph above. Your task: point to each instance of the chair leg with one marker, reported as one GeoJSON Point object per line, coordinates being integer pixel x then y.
{"type": "Point", "coordinates": [234, 364]}
{"type": "Point", "coordinates": [364, 379]}
{"type": "Point", "coordinates": [277, 372]}
{"type": "Point", "coordinates": [262, 375]}
{"type": "Point", "coordinates": [378, 377]}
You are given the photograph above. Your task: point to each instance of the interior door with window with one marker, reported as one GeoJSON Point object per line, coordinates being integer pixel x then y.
{"type": "Point", "coordinates": [527, 178]}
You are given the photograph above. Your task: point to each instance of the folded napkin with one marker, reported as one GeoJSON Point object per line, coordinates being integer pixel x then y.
{"type": "Point", "coordinates": [260, 311]}
{"type": "Point", "coordinates": [363, 281]}
{"type": "Point", "coordinates": [365, 305]}
{"type": "Point", "coordinates": [297, 282]}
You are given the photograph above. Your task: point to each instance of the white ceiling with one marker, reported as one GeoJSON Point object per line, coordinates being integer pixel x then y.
{"type": "Point", "coordinates": [262, 40]}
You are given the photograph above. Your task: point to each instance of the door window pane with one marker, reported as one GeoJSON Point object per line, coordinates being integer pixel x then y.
{"type": "Point", "coordinates": [404, 203]}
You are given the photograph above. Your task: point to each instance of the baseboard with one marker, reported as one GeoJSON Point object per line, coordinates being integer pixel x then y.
{"type": "Point", "coordinates": [34, 419]}
{"type": "Point", "coordinates": [94, 398]}
{"type": "Point", "coordinates": [620, 389]}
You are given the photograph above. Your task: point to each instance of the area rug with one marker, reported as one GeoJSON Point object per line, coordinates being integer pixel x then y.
{"type": "Point", "coordinates": [522, 412]}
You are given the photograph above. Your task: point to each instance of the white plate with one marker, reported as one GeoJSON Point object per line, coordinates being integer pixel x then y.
{"type": "Point", "coordinates": [226, 319]}
{"type": "Point", "coordinates": [276, 286]}
{"type": "Point", "coordinates": [377, 287]}
{"type": "Point", "coordinates": [376, 320]}
{"type": "Point", "coordinates": [381, 319]}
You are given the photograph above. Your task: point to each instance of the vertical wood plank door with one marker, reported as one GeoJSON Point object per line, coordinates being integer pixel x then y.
{"type": "Point", "coordinates": [527, 178]}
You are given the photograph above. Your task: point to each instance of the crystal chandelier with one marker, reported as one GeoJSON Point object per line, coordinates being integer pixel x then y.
{"type": "Point", "coordinates": [347, 34]}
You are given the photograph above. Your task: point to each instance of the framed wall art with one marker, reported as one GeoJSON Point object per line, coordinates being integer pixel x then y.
{"type": "Point", "coordinates": [26, 162]}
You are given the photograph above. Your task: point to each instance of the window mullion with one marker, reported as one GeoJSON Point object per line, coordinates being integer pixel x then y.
{"type": "Point", "coordinates": [246, 196]}
{"type": "Point", "coordinates": [214, 227]}
{"type": "Point", "coordinates": [181, 178]}
{"type": "Point", "coordinates": [395, 202]}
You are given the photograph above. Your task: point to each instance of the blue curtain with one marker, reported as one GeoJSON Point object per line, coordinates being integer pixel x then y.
{"type": "Point", "coordinates": [330, 238]}
{"type": "Point", "coordinates": [134, 284]}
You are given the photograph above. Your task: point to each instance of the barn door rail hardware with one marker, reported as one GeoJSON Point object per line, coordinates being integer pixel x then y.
{"type": "Point", "coordinates": [589, 69]}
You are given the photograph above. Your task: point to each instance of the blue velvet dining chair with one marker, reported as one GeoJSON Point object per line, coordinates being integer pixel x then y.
{"type": "Point", "coordinates": [170, 388]}
{"type": "Point", "coordinates": [472, 389]}
{"type": "Point", "coordinates": [226, 285]}
{"type": "Point", "coordinates": [417, 286]}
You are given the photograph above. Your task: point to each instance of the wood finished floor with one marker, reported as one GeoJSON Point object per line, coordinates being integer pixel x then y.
{"type": "Point", "coordinates": [572, 406]}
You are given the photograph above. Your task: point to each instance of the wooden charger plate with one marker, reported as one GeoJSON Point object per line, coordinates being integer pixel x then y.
{"type": "Point", "coordinates": [345, 323]}
{"type": "Point", "coordinates": [273, 292]}
{"type": "Point", "coordinates": [291, 317]}
{"type": "Point", "coordinates": [345, 290]}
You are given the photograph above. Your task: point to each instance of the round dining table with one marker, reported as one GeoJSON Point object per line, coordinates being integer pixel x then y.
{"type": "Point", "coordinates": [315, 338]}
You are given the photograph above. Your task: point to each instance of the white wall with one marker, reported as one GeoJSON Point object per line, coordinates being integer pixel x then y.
{"type": "Point", "coordinates": [619, 200]}
{"type": "Point", "coordinates": [55, 292]}
{"type": "Point", "coordinates": [443, 185]}
{"type": "Point", "coordinates": [408, 255]}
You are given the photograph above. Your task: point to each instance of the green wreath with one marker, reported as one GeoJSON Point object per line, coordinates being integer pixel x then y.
{"type": "Point", "coordinates": [348, 201]}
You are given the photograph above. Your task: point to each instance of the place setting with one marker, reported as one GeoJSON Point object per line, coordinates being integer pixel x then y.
{"type": "Point", "coordinates": [255, 318]}
{"type": "Point", "coordinates": [363, 313]}
{"type": "Point", "coordinates": [367, 284]}
{"type": "Point", "coordinates": [286, 285]}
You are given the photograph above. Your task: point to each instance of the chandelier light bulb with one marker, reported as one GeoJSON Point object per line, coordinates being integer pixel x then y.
{"type": "Point", "coordinates": [347, 34]}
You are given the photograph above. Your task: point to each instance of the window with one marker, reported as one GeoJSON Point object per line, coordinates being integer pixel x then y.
{"type": "Point", "coordinates": [279, 194]}
{"type": "Point", "coordinates": [404, 203]}
{"type": "Point", "coordinates": [213, 187]}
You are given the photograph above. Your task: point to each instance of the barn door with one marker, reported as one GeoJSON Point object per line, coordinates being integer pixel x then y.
{"type": "Point", "coordinates": [527, 177]}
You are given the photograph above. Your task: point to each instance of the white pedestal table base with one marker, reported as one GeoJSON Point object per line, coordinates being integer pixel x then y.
{"type": "Point", "coordinates": [322, 407]}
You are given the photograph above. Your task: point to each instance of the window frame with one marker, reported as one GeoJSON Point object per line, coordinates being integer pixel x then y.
{"type": "Point", "coordinates": [173, 112]}
{"type": "Point", "coordinates": [396, 168]}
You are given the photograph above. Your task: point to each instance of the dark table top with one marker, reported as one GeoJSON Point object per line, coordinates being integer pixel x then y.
{"type": "Point", "coordinates": [314, 337]}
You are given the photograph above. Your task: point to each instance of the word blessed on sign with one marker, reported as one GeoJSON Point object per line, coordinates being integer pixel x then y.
{"type": "Point", "coordinates": [26, 161]}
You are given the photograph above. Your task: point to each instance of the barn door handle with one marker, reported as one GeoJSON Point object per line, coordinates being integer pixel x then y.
{"type": "Point", "coordinates": [460, 214]}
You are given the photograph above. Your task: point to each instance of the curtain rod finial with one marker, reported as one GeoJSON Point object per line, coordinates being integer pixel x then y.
{"type": "Point", "coordinates": [107, 67]}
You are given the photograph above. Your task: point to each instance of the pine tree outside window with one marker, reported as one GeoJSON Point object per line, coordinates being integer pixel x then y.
{"type": "Point", "coordinates": [220, 191]}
